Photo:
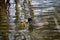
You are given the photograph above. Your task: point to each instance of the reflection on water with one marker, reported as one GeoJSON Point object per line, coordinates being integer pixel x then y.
{"type": "Point", "coordinates": [44, 11]}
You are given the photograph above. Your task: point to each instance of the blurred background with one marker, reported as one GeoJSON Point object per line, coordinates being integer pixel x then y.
{"type": "Point", "coordinates": [29, 19]}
